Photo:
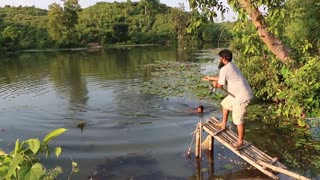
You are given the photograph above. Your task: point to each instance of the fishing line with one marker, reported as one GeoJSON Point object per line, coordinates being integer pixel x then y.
{"type": "Point", "coordinates": [188, 155]}
{"type": "Point", "coordinates": [189, 150]}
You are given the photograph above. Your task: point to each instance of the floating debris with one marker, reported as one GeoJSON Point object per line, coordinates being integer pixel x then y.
{"type": "Point", "coordinates": [81, 125]}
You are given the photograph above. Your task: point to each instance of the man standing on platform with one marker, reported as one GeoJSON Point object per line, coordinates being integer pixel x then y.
{"type": "Point", "coordinates": [240, 93]}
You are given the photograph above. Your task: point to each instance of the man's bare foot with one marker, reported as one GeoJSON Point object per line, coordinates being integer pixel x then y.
{"type": "Point", "coordinates": [221, 125]}
{"type": "Point", "coordinates": [237, 145]}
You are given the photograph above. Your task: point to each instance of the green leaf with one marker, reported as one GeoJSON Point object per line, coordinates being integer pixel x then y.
{"type": "Point", "coordinates": [76, 170]}
{"type": "Point", "coordinates": [16, 147]}
{"type": "Point", "coordinates": [284, 71]}
{"type": "Point", "coordinates": [34, 145]}
{"type": "Point", "coordinates": [53, 134]}
{"type": "Point", "coordinates": [4, 165]}
{"type": "Point", "coordinates": [47, 153]}
{"type": "Point", "coordinates": [301, 122]}
{"type": "Point", "coordinates": [228, 166]}
{"type": "Point", "coordinates": [58, 151]}
{"type": "Point", "coordinates": [204, 170]}
{"type": "Point", "coordinates": [31, 173]}
{"type": "Point", "coordinates": [14, 164]}
{"type": "Point", "coordinates": [2, 153]}
{"type": "Point", "coordinates": [74, 164]}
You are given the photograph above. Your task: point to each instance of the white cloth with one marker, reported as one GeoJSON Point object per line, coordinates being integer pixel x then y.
{"type": "Point", "coordinates": [231, 76]}
{"type": "Point", "coordinates": [238, 110]}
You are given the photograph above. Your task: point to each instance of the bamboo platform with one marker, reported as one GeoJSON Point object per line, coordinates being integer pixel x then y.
{"type": "Point", "coordinates": [247, 151]}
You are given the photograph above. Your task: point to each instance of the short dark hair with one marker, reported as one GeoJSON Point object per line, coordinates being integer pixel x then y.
{"type": "Point", "coordinates": [226, 53]}
{"type": "Point", "coordinates": [201, 107]}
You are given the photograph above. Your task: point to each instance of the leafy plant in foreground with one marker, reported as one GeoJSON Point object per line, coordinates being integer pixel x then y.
{"type": "Point", "coordinates": [24, 162]}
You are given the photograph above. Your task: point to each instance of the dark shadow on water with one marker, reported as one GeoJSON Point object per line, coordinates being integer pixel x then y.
{"type": "Point", "coordinates": [129, 167]}
{"type": "Point", "coordinates": [139, 167]}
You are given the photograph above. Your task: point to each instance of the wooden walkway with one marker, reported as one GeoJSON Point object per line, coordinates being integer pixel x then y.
{"type": "Point", "coordinates": [247, 152]}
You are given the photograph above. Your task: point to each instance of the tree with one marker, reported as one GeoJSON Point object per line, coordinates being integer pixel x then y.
{"type": "Point", "coordinates": [10, 34]}
{"type": "Point", "coordinates": [120, 32]}
{"type": "Point", "coordinates": [150, 6]}
{"type": "Point", "coordinates": [163, 25]}
{"type": "Point", "coordinates": [249, 9]}
{"type": "Point", "coordinates": [302, 23]}
{"type": "Point", "coordinates": [181, 22]}
{"type": "Point", "coordinates": [62, 20]}
{"type": "Point", "coordinates": [55, 21]}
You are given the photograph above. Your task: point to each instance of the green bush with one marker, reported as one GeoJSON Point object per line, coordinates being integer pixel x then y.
{"type": "Point", "coordinates": [301, 92]}
{"type": "Point", "coordinates": [290, 91]}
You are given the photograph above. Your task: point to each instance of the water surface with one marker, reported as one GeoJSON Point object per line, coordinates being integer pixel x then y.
{"type": "Point", "coordinates": [127, 134]}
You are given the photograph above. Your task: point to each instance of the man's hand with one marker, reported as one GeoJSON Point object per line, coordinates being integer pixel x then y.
{"type": "Point", "coordinates": [209, 78]}
{"type": "Point", "coordinates": [215, 84]}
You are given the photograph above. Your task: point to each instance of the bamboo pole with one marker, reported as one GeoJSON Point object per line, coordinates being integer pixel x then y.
{"type": "Point", "coordinates": [211, 143]}
{"type": "Point", "coordinates": [200, 141]}
{"type": "Point", "coordinates": [211, 163]}
{"type": "Point", "coordinates": [198, 169]}
{"type": "Point", "coordinates": [254, 164]}
{"type": "Point", "coordinates": [284, 171]}
{"type": "Point", "coordinates": [197, 148]}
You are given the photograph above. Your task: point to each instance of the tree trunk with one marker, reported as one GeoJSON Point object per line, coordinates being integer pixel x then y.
{"type": "Point", "coordinates": [273, 43]}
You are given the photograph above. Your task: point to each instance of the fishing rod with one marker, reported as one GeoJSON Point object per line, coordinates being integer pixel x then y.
{"type": "Point", "coordinates": [213, 89]}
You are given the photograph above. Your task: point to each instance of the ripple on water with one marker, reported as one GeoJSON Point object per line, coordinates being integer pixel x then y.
{"type": "Point", "coordinates": [26, 84]}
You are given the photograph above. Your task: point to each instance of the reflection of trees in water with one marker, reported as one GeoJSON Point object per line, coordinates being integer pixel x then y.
{"type": "Point", "coordinates": [20, 75]}
{"type": "Point", "coordinates": [67, 75]}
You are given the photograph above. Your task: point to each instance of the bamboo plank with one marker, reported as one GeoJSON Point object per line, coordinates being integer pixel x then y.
{"type": "Point", "coordinates": [249, 153]}
{"type": "Point", "coordinates": [211, 143]}
{"type": "Point", "coordinates": [283, 171]}
{"type": "Point", "coordinates": [200, 124]}
{"type": "Point", "coordinates": [198, 145]}
{"type": "Point", "coordinates": [254, 164]}
{"type": "Point", "coordinates": [261, 154]}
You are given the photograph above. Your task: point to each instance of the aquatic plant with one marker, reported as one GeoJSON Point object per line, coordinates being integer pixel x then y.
{"type": "Point", "coordinates": [24, 161]}
{"type": "Point", "coordinates": [177, 79]}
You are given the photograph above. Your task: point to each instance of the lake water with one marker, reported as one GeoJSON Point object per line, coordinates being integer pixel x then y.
{"type": "Point", "coordinates": [127, 134]}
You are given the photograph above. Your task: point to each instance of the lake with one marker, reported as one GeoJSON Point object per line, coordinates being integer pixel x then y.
{"type": "Point", "coordinates": [127, 134]}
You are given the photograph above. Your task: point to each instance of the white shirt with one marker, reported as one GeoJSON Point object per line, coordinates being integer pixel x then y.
{"type": "Point", "coordinates": [237, 84]}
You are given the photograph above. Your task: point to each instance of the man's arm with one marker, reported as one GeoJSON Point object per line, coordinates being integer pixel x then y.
{"type": "Point", "coordinates": [214, 80]}
{"type": "Point", "coordinates": [210, 78]}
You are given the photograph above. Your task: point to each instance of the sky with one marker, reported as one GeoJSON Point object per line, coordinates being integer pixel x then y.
{"type": "Point", "coordinates": [43, 4]}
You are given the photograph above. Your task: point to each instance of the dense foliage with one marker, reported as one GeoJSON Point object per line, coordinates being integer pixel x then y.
{"type": "Point", "coordinates": [23, 28]}
{"type": "Point", "coordinates": [276, 44]}
{"type": "Point", "coordinates": [293, 90]}
{"type": "Point", "coordinates": [68, 25]}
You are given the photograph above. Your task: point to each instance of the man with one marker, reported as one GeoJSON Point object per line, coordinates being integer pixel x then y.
{"type": "Point", "coordinates": [239, 96]}
{"type": "Point", "coordinates": [200, 109]}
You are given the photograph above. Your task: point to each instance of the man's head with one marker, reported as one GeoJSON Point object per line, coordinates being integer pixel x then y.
{"type": "Point", "coordinates": [225, 57]}
{"type": "Point", "coordinates": [200, 109]}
